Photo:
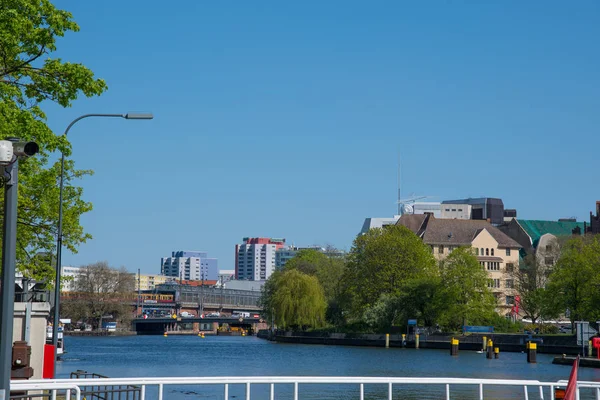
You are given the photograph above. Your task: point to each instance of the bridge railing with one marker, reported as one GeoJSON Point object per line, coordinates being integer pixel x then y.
{"type": "Point", "coordinates": [297, 387]}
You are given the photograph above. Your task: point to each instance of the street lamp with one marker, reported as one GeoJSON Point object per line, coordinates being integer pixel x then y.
{"type": "Point", "coordinates": [60, 216]}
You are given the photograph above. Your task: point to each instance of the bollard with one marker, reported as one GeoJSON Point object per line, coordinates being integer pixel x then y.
{"type": "Point", "coordinates": [532, 352]}
{"type": "Point", "coordinates": [404, 340]}
{"type": "Point", "coordinates": [484, 348]}
{"type": "Point", "coordinates": [453, 347]}
{"type": "Point", "coordinates": [496, 352]}
{"type": "Point", "coordinates": [416, 341]}
{"type": "Point", "coordinates": [387, 340]}
{"type": "Point", "coordinates": [490, 349]}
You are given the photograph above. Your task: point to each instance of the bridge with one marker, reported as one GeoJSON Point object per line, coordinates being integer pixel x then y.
{"type": "Point", "coordinates": [157, 326]}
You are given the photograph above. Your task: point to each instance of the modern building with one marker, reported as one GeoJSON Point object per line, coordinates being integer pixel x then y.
{"type": "Point", "coordinates": [484, 208]}
{"type": "Point", "coordinates": [595, 221]}
{"type": "Point", "coordinates": [371, 223]}
{"type": "Point", "coordinates": [190, 265]}
{"type": "Point", "coordinates": [234, 284]}
{"type": "Point", "coordinates": [70, 273]}
{"type": "Point", "coordinates": [497, 253]}
{"type": "Point", "coordinates": [149, 282]}
{"type": "Point", "coordinates": [225, 275]}
{"type": "Point", "coordinates": [255, 258]}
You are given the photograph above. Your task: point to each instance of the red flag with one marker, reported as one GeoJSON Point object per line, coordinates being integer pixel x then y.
{"type": "Point", "coordinates": [572, 385]}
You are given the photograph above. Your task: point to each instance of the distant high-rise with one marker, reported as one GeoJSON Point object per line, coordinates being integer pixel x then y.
{"type": "Point", "coordinates": [190, 265]}
{"type": "Point", "coordinates": [255, 258]}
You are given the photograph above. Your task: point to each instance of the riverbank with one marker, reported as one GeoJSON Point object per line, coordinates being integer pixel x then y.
{"type": "Point", "coordinates": [548, 344]}
{"type": "Point", "coordinates": [99, 333]}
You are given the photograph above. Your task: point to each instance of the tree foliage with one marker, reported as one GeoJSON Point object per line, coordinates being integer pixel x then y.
{"type": "Point", "coordinates": [100, 291]}
{"type": "Point", "coordinates": [465, 289]}
{"type": "Point", "coordinates": [30, 77]}
{"type": "Point", "coordinates": [575, 279]}
{"type": "Point", "coordinates": [530, 282]}
{"type": "Point", "coordinates": [381, 262]}
{"type": "Point", "coordinates": [294, 299]}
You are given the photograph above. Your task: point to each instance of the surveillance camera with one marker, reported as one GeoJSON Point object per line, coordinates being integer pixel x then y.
{"type": "Point", "coordinates": [6, 152]}
{"type": "Point", "coordinates": [25, 149]}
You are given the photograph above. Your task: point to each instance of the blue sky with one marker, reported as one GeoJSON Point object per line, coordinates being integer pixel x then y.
{"type": "Point", "coordinates": [284, 119]}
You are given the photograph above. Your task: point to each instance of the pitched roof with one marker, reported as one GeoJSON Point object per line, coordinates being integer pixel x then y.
{"type": "Point", "coordinates": [458, 232]}
{"type": "Point", "coordinates": [414, 222]}
{"type": "Point", "coordinates": [536, 228]}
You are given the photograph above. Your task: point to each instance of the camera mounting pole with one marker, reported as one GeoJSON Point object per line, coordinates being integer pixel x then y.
{"type": "Point", "coordinates": [9, 246]}
{"type": "Point", "coordinates": [10, 152]}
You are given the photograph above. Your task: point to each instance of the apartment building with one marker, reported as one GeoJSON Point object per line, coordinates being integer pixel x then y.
{"type": "Point", "coordinates": [190, 265]}
{"type": "Point", "coordinates": [497, 253]}
{"type": "Point", "coordinates": [255, 258]}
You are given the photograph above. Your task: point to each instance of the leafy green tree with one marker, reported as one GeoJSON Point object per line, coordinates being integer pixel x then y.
{"type": "Point", "coordinates": [424, 299]}
{"type": "Point", "coordinates": [29, 77]}
{"type": "Point", "coordinates": [530, 282]}
{"type": "Point", "coordinates": [575, 278]}
{"type": "Point", "coordinates": [382, 261]}
{"type": "Point", "coordinates": [294, 299]}
{"type": "Point", "coordinates": [329, 269]}
{"type": "Point", "coordinates": [465, 289]}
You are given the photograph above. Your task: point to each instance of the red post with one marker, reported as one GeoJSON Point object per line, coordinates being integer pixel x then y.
{"type": "Point", "coordinates": [48, 369]}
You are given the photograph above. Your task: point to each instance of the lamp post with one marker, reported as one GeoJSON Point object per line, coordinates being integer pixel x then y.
{"type": "Point", "coordinates": [60, 216]}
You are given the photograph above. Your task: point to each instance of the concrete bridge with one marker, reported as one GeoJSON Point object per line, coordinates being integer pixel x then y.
{"type": "Point", "coordinates": [157, 326]}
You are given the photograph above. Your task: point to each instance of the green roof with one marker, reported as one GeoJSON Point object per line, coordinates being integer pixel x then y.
{"type": "Point", "coordinates": [535, 229]}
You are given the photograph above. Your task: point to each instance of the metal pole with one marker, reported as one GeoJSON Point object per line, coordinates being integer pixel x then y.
{"type": "Point", "coordinates": [9, 247]}
{"type": "Point", "coordinates": [59, 237]}
{"type": "Point", "coordinates": [137, 309]}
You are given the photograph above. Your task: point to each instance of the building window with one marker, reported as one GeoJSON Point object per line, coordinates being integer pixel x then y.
{"type": "Point", "coordinates": [492, 251]}
{"type": "Point", "coordinates": [510, 283]}
{"type": "Point", "coordinates": [494, 283]}
{"type": "Point", "coordinates": [447, 209]}
{"type": "Point", "coordinates": [508, 252]}
{"type": "Point", "coordinates": [481, 251]}
{"type": "Point", "coordinates": [549, 247]}
{"type": "Point", "coordinates": [441, 249]}
{"type": "Point", "coordinates": [549, 261]}
{"type": "Point", "coordinates": [510, 300]}
{"type": "Point", "coordinates": [487, 252]}
{"type": "Point", "coordinates": [510, 267]}
{"type": "Point", "coordinates": [454, 210]}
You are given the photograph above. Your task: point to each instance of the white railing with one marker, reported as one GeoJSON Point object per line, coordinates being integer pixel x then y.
{"type": "Point", "coordinates": [73, 388]}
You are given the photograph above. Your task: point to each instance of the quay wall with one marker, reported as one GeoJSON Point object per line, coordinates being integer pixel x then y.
{"type": "Point", "coordinates": [549, 344]}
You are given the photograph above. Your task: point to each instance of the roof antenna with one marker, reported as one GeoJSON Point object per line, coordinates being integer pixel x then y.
{"type": "Point", "coordinates": [399, 176]}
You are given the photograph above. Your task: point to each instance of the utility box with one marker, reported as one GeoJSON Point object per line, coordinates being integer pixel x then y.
{"type": "Point", "coordinates": [21, 360]}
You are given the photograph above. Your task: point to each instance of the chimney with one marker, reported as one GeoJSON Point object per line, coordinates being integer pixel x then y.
{"type": "Point", "coordinates": [598, 208]}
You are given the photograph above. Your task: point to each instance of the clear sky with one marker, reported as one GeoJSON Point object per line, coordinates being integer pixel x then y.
{"type": "Point", "coordinates": [284, 119]}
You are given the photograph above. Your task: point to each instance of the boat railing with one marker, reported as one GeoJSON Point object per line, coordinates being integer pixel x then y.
{"type": "Point", "coordinates": [378, 387]}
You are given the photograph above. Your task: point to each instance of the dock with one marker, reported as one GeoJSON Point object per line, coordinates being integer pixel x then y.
{"type": "Point", "coordinates": [583, 362]}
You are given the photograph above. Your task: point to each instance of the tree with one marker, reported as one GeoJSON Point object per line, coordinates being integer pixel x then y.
{"type": "Point", "coordinates": [28, 78]}
{"type": "Point", "coordinates": [575, 278]}
{"type": "Point", "coordinates": [530, 282]}
{"type": "Point", "coordinates": [383, 261]}
{"type": "Point", "coordinates": [465, 289]}
{"type": "Point", "coordinates": [329, 269]}
{"type": "Point", "coordinates": [294, 299]}
{"type": "Point", "coordinates": [103, 290]}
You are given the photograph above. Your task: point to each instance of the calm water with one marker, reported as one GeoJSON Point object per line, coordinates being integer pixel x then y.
{"type": "Point", "coordinates": [157, 356]}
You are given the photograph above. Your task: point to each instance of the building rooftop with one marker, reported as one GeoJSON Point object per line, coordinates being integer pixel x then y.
{"type": "Point", "coordinates": [536, 228]}
{"type": "Point", "coordinates": [458, 232]}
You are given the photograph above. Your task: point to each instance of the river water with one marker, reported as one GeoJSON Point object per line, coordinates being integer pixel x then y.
{"type": "Point", "coordinates": [157, 356]}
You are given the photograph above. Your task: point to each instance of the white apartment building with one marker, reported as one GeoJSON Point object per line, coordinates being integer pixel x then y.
{"type": "Point", "coordinates": [255, 258]}
{"type": "Point", "coordinates": [68, 285]}
{"type": "Point", "coordinates": [190, 265]}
